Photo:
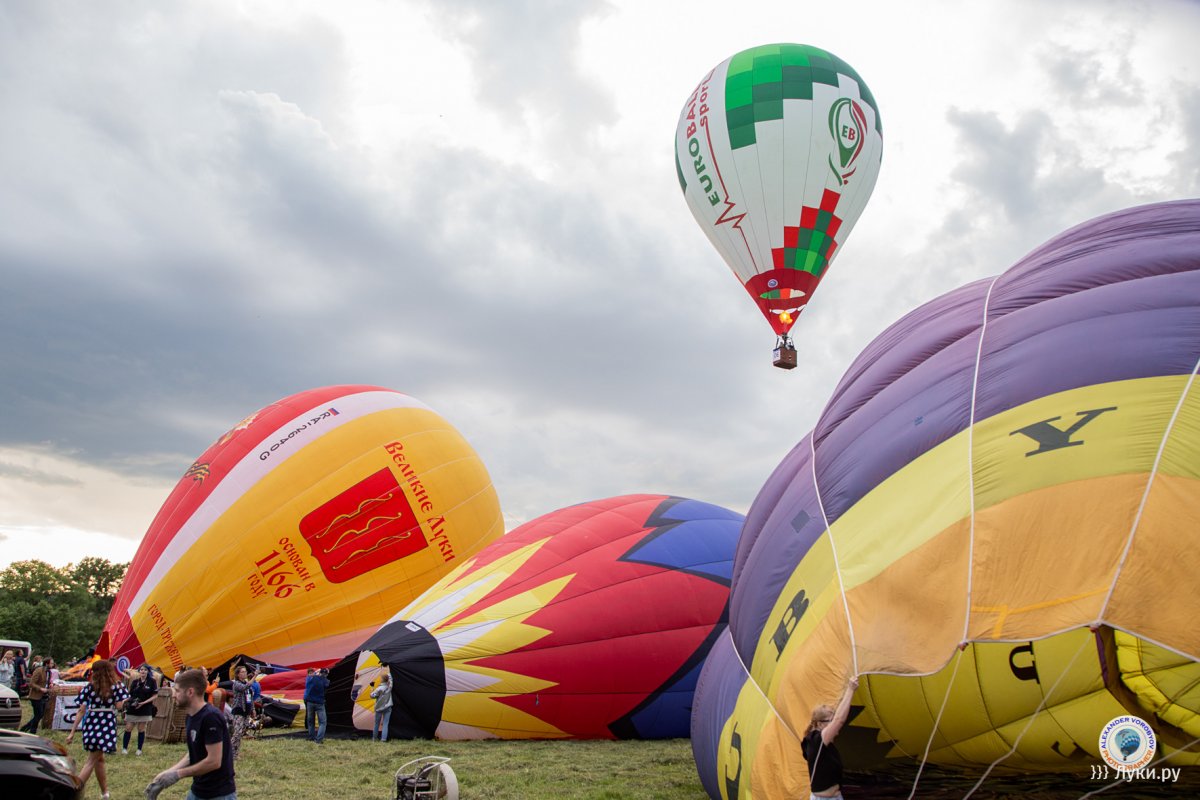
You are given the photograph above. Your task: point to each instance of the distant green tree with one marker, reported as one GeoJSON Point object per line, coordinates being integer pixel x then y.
{"type": "Point", "coordinates": [49, 626]}
{"type": "Point", "coordinates": [32, 579]}
{"type": "Point", "coordinates": [61, 611]}
{"type": "Point", "coordinates": [99, 577]}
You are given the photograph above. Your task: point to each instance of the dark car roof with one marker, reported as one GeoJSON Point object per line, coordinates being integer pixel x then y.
{"type": "Point", "coordinates": [18, 743]}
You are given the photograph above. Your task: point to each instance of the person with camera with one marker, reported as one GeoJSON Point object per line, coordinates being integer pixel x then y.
{"type": "Point", "coordinates": [140, 710]}
{"type": "Point", "coordinates": [314, 704]}
{"type": "Point", "coordinates": [242, 707]}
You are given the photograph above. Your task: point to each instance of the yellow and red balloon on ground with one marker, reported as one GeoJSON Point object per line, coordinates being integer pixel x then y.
{"type": "Point", "coordinates": [589, 622]}
{"type": "Point", "coordinates": [300, 531]}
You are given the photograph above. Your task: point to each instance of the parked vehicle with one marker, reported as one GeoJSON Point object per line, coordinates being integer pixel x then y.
{"type": "Point", "coordinates": [36, 768]}
{"type": "Point", "coordinates": [10, 708]}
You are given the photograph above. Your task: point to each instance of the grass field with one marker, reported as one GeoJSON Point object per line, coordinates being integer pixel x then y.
{"type": "Point", "coordinates": [287, 767]}
{"type": "Point", "coordinates": [284, 766]}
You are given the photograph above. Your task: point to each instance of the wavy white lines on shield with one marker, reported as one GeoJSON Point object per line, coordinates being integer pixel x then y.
{"type": "Point", "coordinates": [251, 469]}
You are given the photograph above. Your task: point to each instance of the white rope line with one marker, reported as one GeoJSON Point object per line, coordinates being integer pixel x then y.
{"type": "Point", "coordinates": [1137, 519]}
{"type": "Point", "coordinates": [845, 605]}
{"type": "Point", "coordinates": [1083, 645]}
{"type": "Point", "coordinates": [837, 568]}
{"type": "Point", "coordinates": [936, 724]}
{"type": "Point", "coordinates": [770, 705]}
{"type": "Point", "coordinates": [987, 302]}
{"type": "Point", "coordinates": [1151, 765]}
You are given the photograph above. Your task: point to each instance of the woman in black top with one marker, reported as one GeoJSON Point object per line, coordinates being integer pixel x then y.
{"type": "Point", "coordinates": [140, 708]}
{"type": "Point", "coordinates": [824, 760]}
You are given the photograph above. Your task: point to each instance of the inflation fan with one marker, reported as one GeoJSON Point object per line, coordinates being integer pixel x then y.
{"type": "Point", "coordinates": [426, 778]}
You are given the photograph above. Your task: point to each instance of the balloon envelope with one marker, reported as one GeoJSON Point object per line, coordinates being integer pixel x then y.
{"type": "Point", "coordinates": [1014, 466]}
{"type": "Point", "coordinates": [299, 532]}
{"type": "Point", "coordinates": [589, 622]}
{"type": "Point", "coordinates": [777, 152]}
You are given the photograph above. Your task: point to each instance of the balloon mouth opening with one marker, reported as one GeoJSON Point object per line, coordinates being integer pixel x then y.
{"type": "Point", "coordinates": [786, 312]}
{"type": "Point", "coordinates": [781, 294]}
{"type": "Point", "coordinates": [784, 303]}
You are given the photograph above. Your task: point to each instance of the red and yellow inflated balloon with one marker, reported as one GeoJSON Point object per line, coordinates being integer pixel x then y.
{"type": "Point", "coordinates": [301, 530]}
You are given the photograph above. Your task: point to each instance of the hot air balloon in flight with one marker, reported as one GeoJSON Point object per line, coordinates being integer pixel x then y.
{"type": "Point", "coordinates": [588, 622]}
{"type": "Point", "coordinates": [300, 531]}
{"type": "Point", "coordinates": [996, 521]}
{"type": "Point", "coordinates": [777, 151]}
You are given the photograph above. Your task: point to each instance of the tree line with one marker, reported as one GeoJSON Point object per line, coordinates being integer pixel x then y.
{"type": "Point", "coordinates": [59, 610]}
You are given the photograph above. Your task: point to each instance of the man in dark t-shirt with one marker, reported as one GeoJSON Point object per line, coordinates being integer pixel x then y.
{"type": "Point", "coordinates": [20, 678]}
{"type": "Point", "coordinates": [209, 759]}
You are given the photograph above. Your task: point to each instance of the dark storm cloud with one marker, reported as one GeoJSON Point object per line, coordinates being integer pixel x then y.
{"type": "Point", "coordinates": [208, 250]}
{"type": "Point", "coordinates": [173, 255]}
{"type": "Point", "coordinates": [194, 229]}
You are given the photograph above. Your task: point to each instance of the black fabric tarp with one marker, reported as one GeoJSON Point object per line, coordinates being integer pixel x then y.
{"type": "Point", "coordinates": [418, 681]}
{"type": "Point", "coordinates": [280, 713]}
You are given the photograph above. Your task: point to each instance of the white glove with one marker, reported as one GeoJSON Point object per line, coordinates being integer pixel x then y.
{"type": "Point", "coordinates": [160, 782]}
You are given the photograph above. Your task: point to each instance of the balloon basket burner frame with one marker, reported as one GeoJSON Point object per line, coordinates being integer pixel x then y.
{"type": "Point", "coordinates": [785, 355]}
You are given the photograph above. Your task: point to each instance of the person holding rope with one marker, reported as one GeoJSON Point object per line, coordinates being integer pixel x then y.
{"type": "Point", "coordinates": [824, 760]}
{"type": "Point", "coordinates": [383, 706]}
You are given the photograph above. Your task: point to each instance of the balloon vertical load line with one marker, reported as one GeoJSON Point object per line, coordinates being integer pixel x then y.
{"type": "Point", "coordinates": [1137, 518]}
{"type": "Point", "coordinates": [759, 689]}
{"type": "Point", "coordinates": [936, 725]}
{"type": "Point", "coordinates": [837, 567]}
{"type": "Point", "coordinates": [987, 302]}
{"type": "Point", "coordinates": [1083, 645]}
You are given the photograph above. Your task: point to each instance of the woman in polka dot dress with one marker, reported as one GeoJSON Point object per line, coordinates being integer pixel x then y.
{"type": "Point", "coordinates": [98, 705]}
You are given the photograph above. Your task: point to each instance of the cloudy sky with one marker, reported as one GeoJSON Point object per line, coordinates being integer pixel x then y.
{"type": "Point", "coordinates": [208, 206]}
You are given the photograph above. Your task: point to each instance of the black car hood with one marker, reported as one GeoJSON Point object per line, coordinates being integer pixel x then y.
{"type": "Point", "coordinates": [15, 742]}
